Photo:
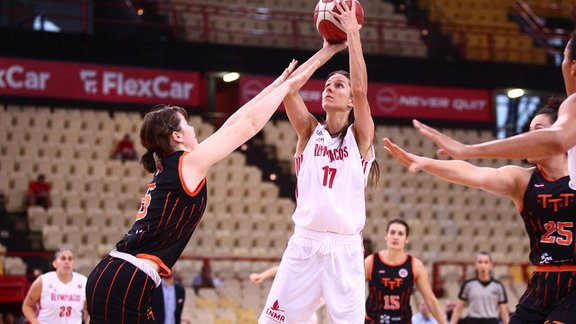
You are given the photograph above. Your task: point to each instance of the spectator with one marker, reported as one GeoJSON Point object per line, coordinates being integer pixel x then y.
{"type": "Point", "coordinates": [125, 149]}
{"type": "Point", "coordinates": [168, 301]}
{"type": "Point", "coordinates": [205, 279]}
{"type": "Point", "coordinates": [424, 316]}
{"type": "Point", "coordinates": [39, 192]}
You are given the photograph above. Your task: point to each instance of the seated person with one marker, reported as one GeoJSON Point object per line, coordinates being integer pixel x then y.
{"type": "Point", "coordinates": [125, 149]}
{"type": "Point", "coordinates": [39, 192]}
{"type": "Point", "coordinates": [205, 279]}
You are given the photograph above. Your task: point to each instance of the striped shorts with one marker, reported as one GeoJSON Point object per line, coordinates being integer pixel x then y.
{"type": "Point", "coordinates": [118, 292]}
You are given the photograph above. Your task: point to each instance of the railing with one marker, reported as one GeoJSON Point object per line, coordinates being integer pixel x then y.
{"type": "Point", "coordinates": [168, 20]}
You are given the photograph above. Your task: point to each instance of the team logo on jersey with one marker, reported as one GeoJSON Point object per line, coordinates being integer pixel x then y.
{"type": "Point", "coordinates": [319, 132]}
{"type": "Point", "coordinates": [392, 283]}
{"type": "Point", "coordinates": [555, 202]}
{"type": "Point", "coordinates": [274, 313]}
{"type": "Point", "coordinates": [403, 273]}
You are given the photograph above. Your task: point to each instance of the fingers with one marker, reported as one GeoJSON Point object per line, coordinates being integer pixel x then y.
{"type": "Point", "coordinates": [292, 65]}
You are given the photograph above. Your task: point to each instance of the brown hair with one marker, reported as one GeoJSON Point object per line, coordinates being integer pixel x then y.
{"type": "Point", "coordinates": [158, 126]}
{"type": "Point", "coordinates": [60, 250]}
{"type": "Point", "coordinates": [401, 222]}
{"type": "Point", "coordinates": [374, 174]}
{"type": "Point", "coordinates": [572, 46]}
{"type": "Point", "coordinates": [550, 108]}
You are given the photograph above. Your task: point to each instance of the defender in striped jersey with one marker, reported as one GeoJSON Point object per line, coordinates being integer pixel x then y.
{"type": "Point", "coordinates": [119, 289]}
{"type": "Point", "coordinates": [391, 275]}
{"type": "Point", "coordinates": [546, 202]}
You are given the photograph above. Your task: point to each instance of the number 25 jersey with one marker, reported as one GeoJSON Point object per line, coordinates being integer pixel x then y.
{"type": "Point", "coordinates": [549, 213]}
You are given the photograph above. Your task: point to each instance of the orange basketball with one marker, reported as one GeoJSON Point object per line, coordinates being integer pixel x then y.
{"type": "Point", "coordinates": [329, 26]}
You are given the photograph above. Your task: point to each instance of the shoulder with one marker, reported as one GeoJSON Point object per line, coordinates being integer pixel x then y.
{"type": "Point", "coordinates": [469, 281]}
{"type": "Point", "coordinates": [80, 277]}
{"type": "Point", "coordinates": [417, 264]}
{"type": "Point", "coordinates": [498, 283]}
{"type": "Point", "coordinates": [48, 275]}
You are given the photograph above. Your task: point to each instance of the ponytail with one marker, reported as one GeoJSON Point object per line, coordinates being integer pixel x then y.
{"type": "Point", "coordinates": [148, 161]}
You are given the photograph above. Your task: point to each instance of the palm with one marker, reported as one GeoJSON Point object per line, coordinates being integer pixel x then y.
{"type": "Point", "coordinates": [409, 160]}
{"type": "Point", "coordinates": [448, 146]}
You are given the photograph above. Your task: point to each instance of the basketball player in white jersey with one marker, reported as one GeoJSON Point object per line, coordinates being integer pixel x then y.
{"type": "Point", "coordinates": [324, 256]}
{"type": "Point", "coordinates": [57, 297]}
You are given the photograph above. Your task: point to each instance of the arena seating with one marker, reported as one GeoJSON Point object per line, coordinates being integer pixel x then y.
{"type": "Point", "coordinates": [95, 199]}
{"type": "Point", "coordinates": [245, 22]}
{"type": "Point", "coordinates": [483, 30]}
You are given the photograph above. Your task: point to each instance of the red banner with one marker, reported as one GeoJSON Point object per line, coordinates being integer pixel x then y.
{"type": "Point", "coordinates": [73, 81]}
{"type": "Point", "coordinates": [397, 101]}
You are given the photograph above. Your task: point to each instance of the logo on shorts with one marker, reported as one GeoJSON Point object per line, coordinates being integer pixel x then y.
{"type": "Point", "coordinates": [274, 313]}
{"type": "Point", "coordinates": [403, 273]}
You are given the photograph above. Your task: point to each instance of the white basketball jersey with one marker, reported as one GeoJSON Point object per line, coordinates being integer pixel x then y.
{"type": "Point", "coordinates": [332, 177]}
{"type": "Point", "coordinates": [572, 167]}
{"type": "Point", "coordinates": [62, 303]}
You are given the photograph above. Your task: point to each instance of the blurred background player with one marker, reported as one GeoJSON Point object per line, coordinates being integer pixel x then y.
{"type": "Point", "coordinates": [57, 297]}
{"type": "Point", "coordinates": [391, 275]}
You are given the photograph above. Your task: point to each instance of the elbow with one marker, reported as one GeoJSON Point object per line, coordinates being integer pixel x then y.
{"type": "Point", "coordinates": [560, 142]}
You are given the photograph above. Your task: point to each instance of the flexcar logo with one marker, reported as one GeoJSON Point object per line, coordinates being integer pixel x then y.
{"type": "Point", "coordinates": [387, 100]}
{"type": "Point", "coordinates": [251, 89]}
{"type": "Point", "coordinates": [275, 313]}
{"type": "Point", "coordinates": [17, 77]}
{"type": "Point", "coordinates": [119, 84]}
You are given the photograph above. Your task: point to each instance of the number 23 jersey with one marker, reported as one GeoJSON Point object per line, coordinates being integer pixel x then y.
{"type": "Point", "coordinates": [61, 303]}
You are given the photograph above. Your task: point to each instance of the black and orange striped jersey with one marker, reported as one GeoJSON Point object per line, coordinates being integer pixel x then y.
{"type": "Point", "coordinates": [389, 291]}
{"type": "Point", "coordinates": [548, 213]}
{"type": "Point", "coordinates": [168, 215]}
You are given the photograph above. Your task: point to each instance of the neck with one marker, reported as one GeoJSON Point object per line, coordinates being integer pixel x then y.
{"type": "Point", "coordinates": [556, 168]}
{"type": "Point", "coordinates": [64, 277]}
{"type": "Point", "coordinates": [393, 256]}
{"type": "Point", "coordinates": [484, 277]}
{"type": "Point", "coordinates": [335, 123]}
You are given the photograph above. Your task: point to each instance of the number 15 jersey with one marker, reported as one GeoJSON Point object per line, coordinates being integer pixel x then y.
{"type": "Point", "coordinates": [389, 289]}
{"type": "Point", "coordinates": [332, 176]}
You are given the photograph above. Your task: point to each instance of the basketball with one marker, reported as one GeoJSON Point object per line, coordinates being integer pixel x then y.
{"type": "Point", "coordinates": [329, 26]}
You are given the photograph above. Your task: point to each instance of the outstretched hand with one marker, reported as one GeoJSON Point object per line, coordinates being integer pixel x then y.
{"type": "Point", "coordinates": [285, 74]}
{"type": "Point", "coordinates": [346, 16]}
{"type": "Point", "coordinates": [447, 145]}
{"type": "Point", "coordinates": [410, 161]}
{"type": "Point", "coordinates": [297, 81]}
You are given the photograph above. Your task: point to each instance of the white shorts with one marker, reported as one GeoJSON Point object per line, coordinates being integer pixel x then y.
{"type": "Point", "coordinates": [315, 265]}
